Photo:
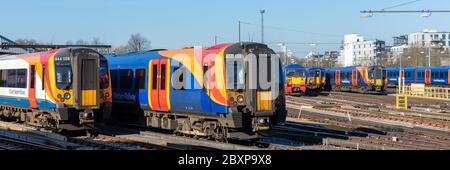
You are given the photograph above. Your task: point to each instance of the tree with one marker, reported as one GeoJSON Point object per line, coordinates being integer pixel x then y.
{"type": "Point", "coordinates": [96, 41]}
{"type": "Point", "coordinates": [137, 43]}
{"type": "Point", "coordinates": [81, 42]}
{"type": "Point", "coordinates": [26, 42]}
{"type": "Point", "coordinates": [120, 49]}
{"type": "Point", "coordinates": [69, 43]}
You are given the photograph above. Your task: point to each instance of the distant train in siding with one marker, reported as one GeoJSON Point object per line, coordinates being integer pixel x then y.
{"type": "Point", "coordinates": [215, 101]}
{"type": "Point", "coordinates": [358, 79]}
{"type": "Point", "coordinates": [432, 76]}
{"type": "Point", "coordinates": [68, 86]}
{"type": "Point", "coordinates": [295, 77]}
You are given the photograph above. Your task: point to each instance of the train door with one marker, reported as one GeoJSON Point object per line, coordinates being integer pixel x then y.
{"type": "Point", "coordinates": [158, 85]}
{"type": "Point", "coordinates": [208, 71]}
{"type": "Point", "coordinates": [427, 76]}
{"type": "Point", "coordinates": [354, 77]}
{"type": "Point", "coordinates": [311, 77]}
{"type": "Point", "coordinates": [86, 78]}
{"type": "Point", "coordinates": [448, 76]}
{"type": "Point", "coordinates": [338, 77]}
{"type": "Point", "coordinates": [32, 87]}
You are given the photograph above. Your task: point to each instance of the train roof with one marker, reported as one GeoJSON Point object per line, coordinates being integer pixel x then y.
{"type": "Point", "coordinates": [293, 66]}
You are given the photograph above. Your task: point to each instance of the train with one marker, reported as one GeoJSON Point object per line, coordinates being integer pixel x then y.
{"type": "Point", "coordinates": [207, 92]}
{"type": "Point", "coordinates": [431, 76]}
{"type": "Point", "coordinates": [304, 80]}
{"type": "Point", "coordinates": [295, 79]}
{"type": "Point", "coordinates": [316, 79]}
{"type": "Point", "coordinates": [62, 88]}
{"type": "Point", "coordinates": [362, 79]}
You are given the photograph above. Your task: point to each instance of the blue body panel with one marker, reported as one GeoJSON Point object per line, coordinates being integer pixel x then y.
{"type": "Point", "coordinates": [190, 100]}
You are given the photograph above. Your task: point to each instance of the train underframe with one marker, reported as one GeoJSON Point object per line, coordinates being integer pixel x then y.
{"type": "Point", "coordinates": [61, 118]}
{"type": "Point", "coordinates": [236, 125]}
{"type": "Point", "coordinates": [360, 89]}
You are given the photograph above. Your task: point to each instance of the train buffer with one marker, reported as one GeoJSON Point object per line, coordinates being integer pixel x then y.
{"type": "Point", "coordinates": [420, 91]}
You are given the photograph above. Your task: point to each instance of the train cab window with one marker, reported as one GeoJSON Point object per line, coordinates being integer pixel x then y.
{"type": "Point", "coordinates": [155, 77]}
{"type": "Point", "coordinates": [104, 77]}
{"type": "Point", "coordinates": [22, 78]}
{"type": "Point", "coordinates": [140, 79]}
{"type": "Point", "coordinates": [114, 80]}
{"type": "Point", "coordinates": [295, 73]}
{"type": "Point", "coordinates": [235, 74]}
{"type": "Point", "coordinates": [12, 78]}
{"type": "Point", "coordinates": [63, 69]}
{"type": "Point", "coordinates": [126, 78]}
{"type": "Point", "coordinates": [3, 78]}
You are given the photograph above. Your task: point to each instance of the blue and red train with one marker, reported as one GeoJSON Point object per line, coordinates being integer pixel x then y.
{"type": "Point", "coordinates": [432, 76]}
{"type": "Point", "coordinates": [357, 79]}
{"type": "Point", "coordinates": [208, 95]}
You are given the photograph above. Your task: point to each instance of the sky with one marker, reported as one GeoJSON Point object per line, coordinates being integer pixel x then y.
{"type": "Point", "coordinates": [173, 24]}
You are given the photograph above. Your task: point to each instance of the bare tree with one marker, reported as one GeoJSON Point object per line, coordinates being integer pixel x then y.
{"type": "Point", "coordinates": [96, 41]}
{"type": "Point", "coordinates": [138, 43]}
{"type": "Point", "coordinates": [69, 43]}
{"type": "Point", "coordinates": [26, 42]}
{"type": "Point", "coordinates": [81, 42]}
{"type": "Point", "coordinates": [120, 49]}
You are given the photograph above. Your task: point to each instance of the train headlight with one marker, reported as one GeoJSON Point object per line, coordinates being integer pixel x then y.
{"type": "Point", "coordinates": [67, 96]}
{"type": "Point", "coordinates": [240, 99]}
{"type": "Point", "coordinates": [231, 99]}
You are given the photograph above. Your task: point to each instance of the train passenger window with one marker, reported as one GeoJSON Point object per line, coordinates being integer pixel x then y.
{"type": "Point", "coordinates": [114, 79]}
{"type": "Point", "coordinates": [179, 77]}
{"type": "Point", "coordinates": [12, 78]}
{"type": "Point", "coordinates": [2, 78]}
{"type": "Point", "coordinates": [154, 77]}
{"type": "Point", "coordinates": [126, 79]}
{"type": "Point", "coordinates": [140, 79]}
{"type": "Point", "coordinates": [163, 77]}
{"type": "Point", "coordinates": [22, 78]}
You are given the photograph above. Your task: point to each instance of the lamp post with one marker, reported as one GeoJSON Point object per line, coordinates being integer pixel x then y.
{"type": "Point", "coordinates": [262, 25]}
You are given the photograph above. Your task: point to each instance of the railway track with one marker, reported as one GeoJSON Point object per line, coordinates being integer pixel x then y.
{"type": "Point", "coordinates": [14, 144]}
{"type": "Point", "coordinates": [380, 136]}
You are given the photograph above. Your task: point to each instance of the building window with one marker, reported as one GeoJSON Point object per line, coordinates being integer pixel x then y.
{"type": "Point", "coordinates": [423, 37]}
{"type": "Point", "coordinates": [444, 36]}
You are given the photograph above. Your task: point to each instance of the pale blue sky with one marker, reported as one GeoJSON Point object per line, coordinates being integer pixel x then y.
{"type": "Point", "coordinates": [176, 23]}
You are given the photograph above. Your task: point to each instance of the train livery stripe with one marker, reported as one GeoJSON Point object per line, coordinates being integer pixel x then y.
{"type": "Point", "coordinates": [149, 85]}
{"type": "Point", "coordinates": [363, 73]}
{"type": "Point", "coordinates": [168, 78]}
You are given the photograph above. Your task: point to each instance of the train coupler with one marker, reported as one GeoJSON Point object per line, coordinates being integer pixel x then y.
{"type": "Point", "coordinates": [86, 116]}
